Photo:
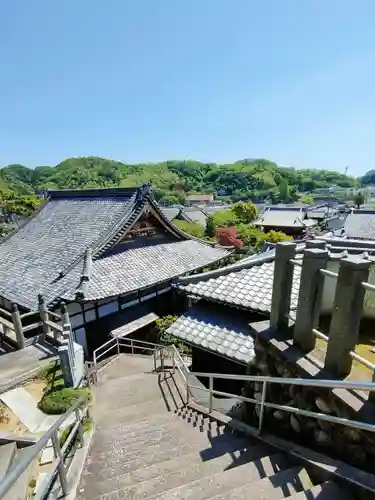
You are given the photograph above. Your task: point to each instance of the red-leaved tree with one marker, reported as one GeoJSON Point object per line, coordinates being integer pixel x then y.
{"type": "Point", "coordinates": [227, 237]}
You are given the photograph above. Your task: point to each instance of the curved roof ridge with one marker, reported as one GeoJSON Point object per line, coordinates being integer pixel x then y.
{"type": "Point", "coordinates": [251, 261]}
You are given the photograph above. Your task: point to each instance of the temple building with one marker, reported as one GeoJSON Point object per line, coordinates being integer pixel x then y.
{"type": "Point", "coordinates": [293, 221]}
{"type": "Point", "coordinates": [102, 252]}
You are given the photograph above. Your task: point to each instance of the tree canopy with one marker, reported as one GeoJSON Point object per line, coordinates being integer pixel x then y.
{"type": "Point", "coordinates": [173, 180]}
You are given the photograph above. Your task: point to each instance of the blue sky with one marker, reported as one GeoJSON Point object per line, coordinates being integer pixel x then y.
{"type": "Point", "coordinates": [213, 80]}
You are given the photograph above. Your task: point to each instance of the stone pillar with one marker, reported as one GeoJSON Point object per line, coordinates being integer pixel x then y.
{"type": "Point", "coordinates": [43, 312]}
{"type": "Point", "coordinates": [316, 244]}
{"type": "Point", "coordinates": [346, 315]}
{"type": "Point", "coordinates": [66, 364]}
{"type": "Point", "coordinates": [67, 330]}
{"type": "Point", "coordinates": [282, 284]}
{"type": "Point", "coordinates": [17, 323]}
{"type": "Point", "coordinates": [310, 297]}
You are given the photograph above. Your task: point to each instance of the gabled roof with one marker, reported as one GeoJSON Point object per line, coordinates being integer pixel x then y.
{"type": "Point", "coordinates": [284, 217]}
{"type": "Point", "coordinates": [360, 224]}
{"type": "Point", "coordinates": [76, 242]}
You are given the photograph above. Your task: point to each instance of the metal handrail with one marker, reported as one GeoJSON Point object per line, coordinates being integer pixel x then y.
{"type": "Point", "coordinates": [58, 464]}
{"type": "Point", "coordinates": [262, 403]}
{"type": "Point", "coordinates": [365, 362]}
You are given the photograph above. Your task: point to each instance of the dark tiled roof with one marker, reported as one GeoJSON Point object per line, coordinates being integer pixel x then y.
{"type": "Point", "coordinates": [194, 216]}
{"type": "Point", "coordinates": [147, 265]}
{"type": "Point", "coordinates": [280, 217]}
{"type": "Point", "coordinates": [360, 224]}
{"type": "Point", "coordinates": [46, 254]}
{"type": "Point", "coordinates": [223, 334]}
{"type": "Point", "coordinates": [170, 212]}
{"type": "Point", "coordinates": [246, 288]}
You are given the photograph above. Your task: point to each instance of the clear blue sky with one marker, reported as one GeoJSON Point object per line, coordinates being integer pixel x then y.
{"type": "Point", "coordinates": [213, 80]}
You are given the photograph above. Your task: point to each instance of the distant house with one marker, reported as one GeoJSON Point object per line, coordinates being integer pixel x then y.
{"type": "Point", "coordinates": [360, 224]}
{"type": "Point", "coordinates": [289, 220]}
{"type": "Point", "coordinates": [197, 199]}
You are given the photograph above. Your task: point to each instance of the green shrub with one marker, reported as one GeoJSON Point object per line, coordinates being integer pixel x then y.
{"type": "Point", "coordinates": [57, 402]}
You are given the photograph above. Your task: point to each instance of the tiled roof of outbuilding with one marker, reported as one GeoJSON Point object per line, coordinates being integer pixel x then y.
{"type": "Point", "coordinates": [360, 224]}
{"type": "Point", "coordinates": [222, 334]}
{"type": "Point", "coordinates": [246, 288]}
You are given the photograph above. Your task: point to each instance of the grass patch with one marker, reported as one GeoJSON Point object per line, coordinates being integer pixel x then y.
{"type": "Point", "coordinates": [58, 401]}
{"type": "Point", "coordinates": [57, 398]}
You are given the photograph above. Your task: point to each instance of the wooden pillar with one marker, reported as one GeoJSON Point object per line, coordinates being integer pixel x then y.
{"type": "Point", "coordinates": [17, 323]}
{"type": "Point", "coordinates": [346, 315]}
{"type": "Point", "coordinates": [282, 285]}
{"type": "Point", "coordinates": [43, 313]}
{"type": "Point", "coordinates": [310, 297]}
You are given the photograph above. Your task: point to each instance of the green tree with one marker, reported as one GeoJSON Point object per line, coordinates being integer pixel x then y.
{"type": "Point", "coordinates": [245, 211]}
{"type": "Point", "coordinates": [276, 236]}
{"type": "Point", "coordinates": [251, 236]}
{"type": "Point", "coordinates": [224, 218]}
{"type": "Point", "coordinates": [307, 198]}
{"type": "Point", "coordinates": [169, 200]}
{"type": "Point", "coordinates": [359, 199]}
{"type": "Point", "coordinates": [191, 228]}
{"type": "Point", "coordinates": [284, 193]}
{"type": "Point", "coordinates": [210, 227]}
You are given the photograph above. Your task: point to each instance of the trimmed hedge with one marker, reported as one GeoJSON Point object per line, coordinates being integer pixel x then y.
{"type": "Point", "coordinates": [59, 401]}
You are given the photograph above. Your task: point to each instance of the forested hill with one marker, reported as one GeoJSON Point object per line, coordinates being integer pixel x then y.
{"type": "Point", "coordinates": [173, 180]}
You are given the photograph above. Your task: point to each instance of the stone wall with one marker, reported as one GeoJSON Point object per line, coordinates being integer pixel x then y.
{"type": "Point", "coordinates": [341, 442]}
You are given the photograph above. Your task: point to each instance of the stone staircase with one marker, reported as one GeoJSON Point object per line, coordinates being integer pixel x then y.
{"type": "Point", "coordinates": [148, 445]}
{"type": "Point", "coordinates": [9, 453]}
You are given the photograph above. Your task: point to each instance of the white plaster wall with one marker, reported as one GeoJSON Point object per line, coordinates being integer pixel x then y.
{"type": "Point", "coordinates": [330, 288]}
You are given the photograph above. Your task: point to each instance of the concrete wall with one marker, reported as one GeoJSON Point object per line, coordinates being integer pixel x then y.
{"type": "Point", "coordinates": [330, 287]}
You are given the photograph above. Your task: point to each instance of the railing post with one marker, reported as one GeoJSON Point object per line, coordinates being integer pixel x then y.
{"type": "Point", "coordinates": [211, 394]}
{"type": "Point", "coordinates": [17, 323]}
{"type": "Point", "coordinates": [132, 346]}
{"type": "Point", "coordinates": [261, 412]}
{"type": "Point", "coordinates": [80, 427]}
{"type": "Point", "coordinates": [187, 391]}
{"type": "Point", "coordinates": [310, 298]}
{"type": "Point", "coordinates": [173, 364]}
{"type": "Point", "coordinates": [43, 313]}
{"type": "Point", "coordinates": [346, 315]}
{"type": "Point", "coordinates": [61, 466]}
{"type": "Point", "coordinates": [282, 285]}
{"type": "Point", "coordinates": [118, 346]}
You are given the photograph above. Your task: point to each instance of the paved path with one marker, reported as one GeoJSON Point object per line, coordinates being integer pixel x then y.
{"type": "Point", "coordinates": [18, 363]}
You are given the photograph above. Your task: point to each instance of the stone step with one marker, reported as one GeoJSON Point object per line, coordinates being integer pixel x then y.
{"type": "Point", "coordinates": [325, 491]}
{"type": "Point", "coordinates": [127, 365]}
{"type": "Point", "coordinates": [164, 476]}
{"type": "Point", "coordinates": [120, 400]}
{"type": "Point", "coordinates": [154, 433]}
{"type": "Point", "coordinates": [7, 454]}
{"type": "Point", "coordinates": [151, 421]}
{"type": "Point", "coordinates": [198, 440]}
{"type": "Point", "coordinates": [105, 465]}
{"type": "Point", "coordinates": [227, 480]}
{"type": "Point", "coordinates": [119, 434]}
{"type": "Point", "coordinates": [127, 384]}
{"type": "Point", "coordinates": [130, 413]}
{"type": "Point", "coordinates": [283, 484]}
